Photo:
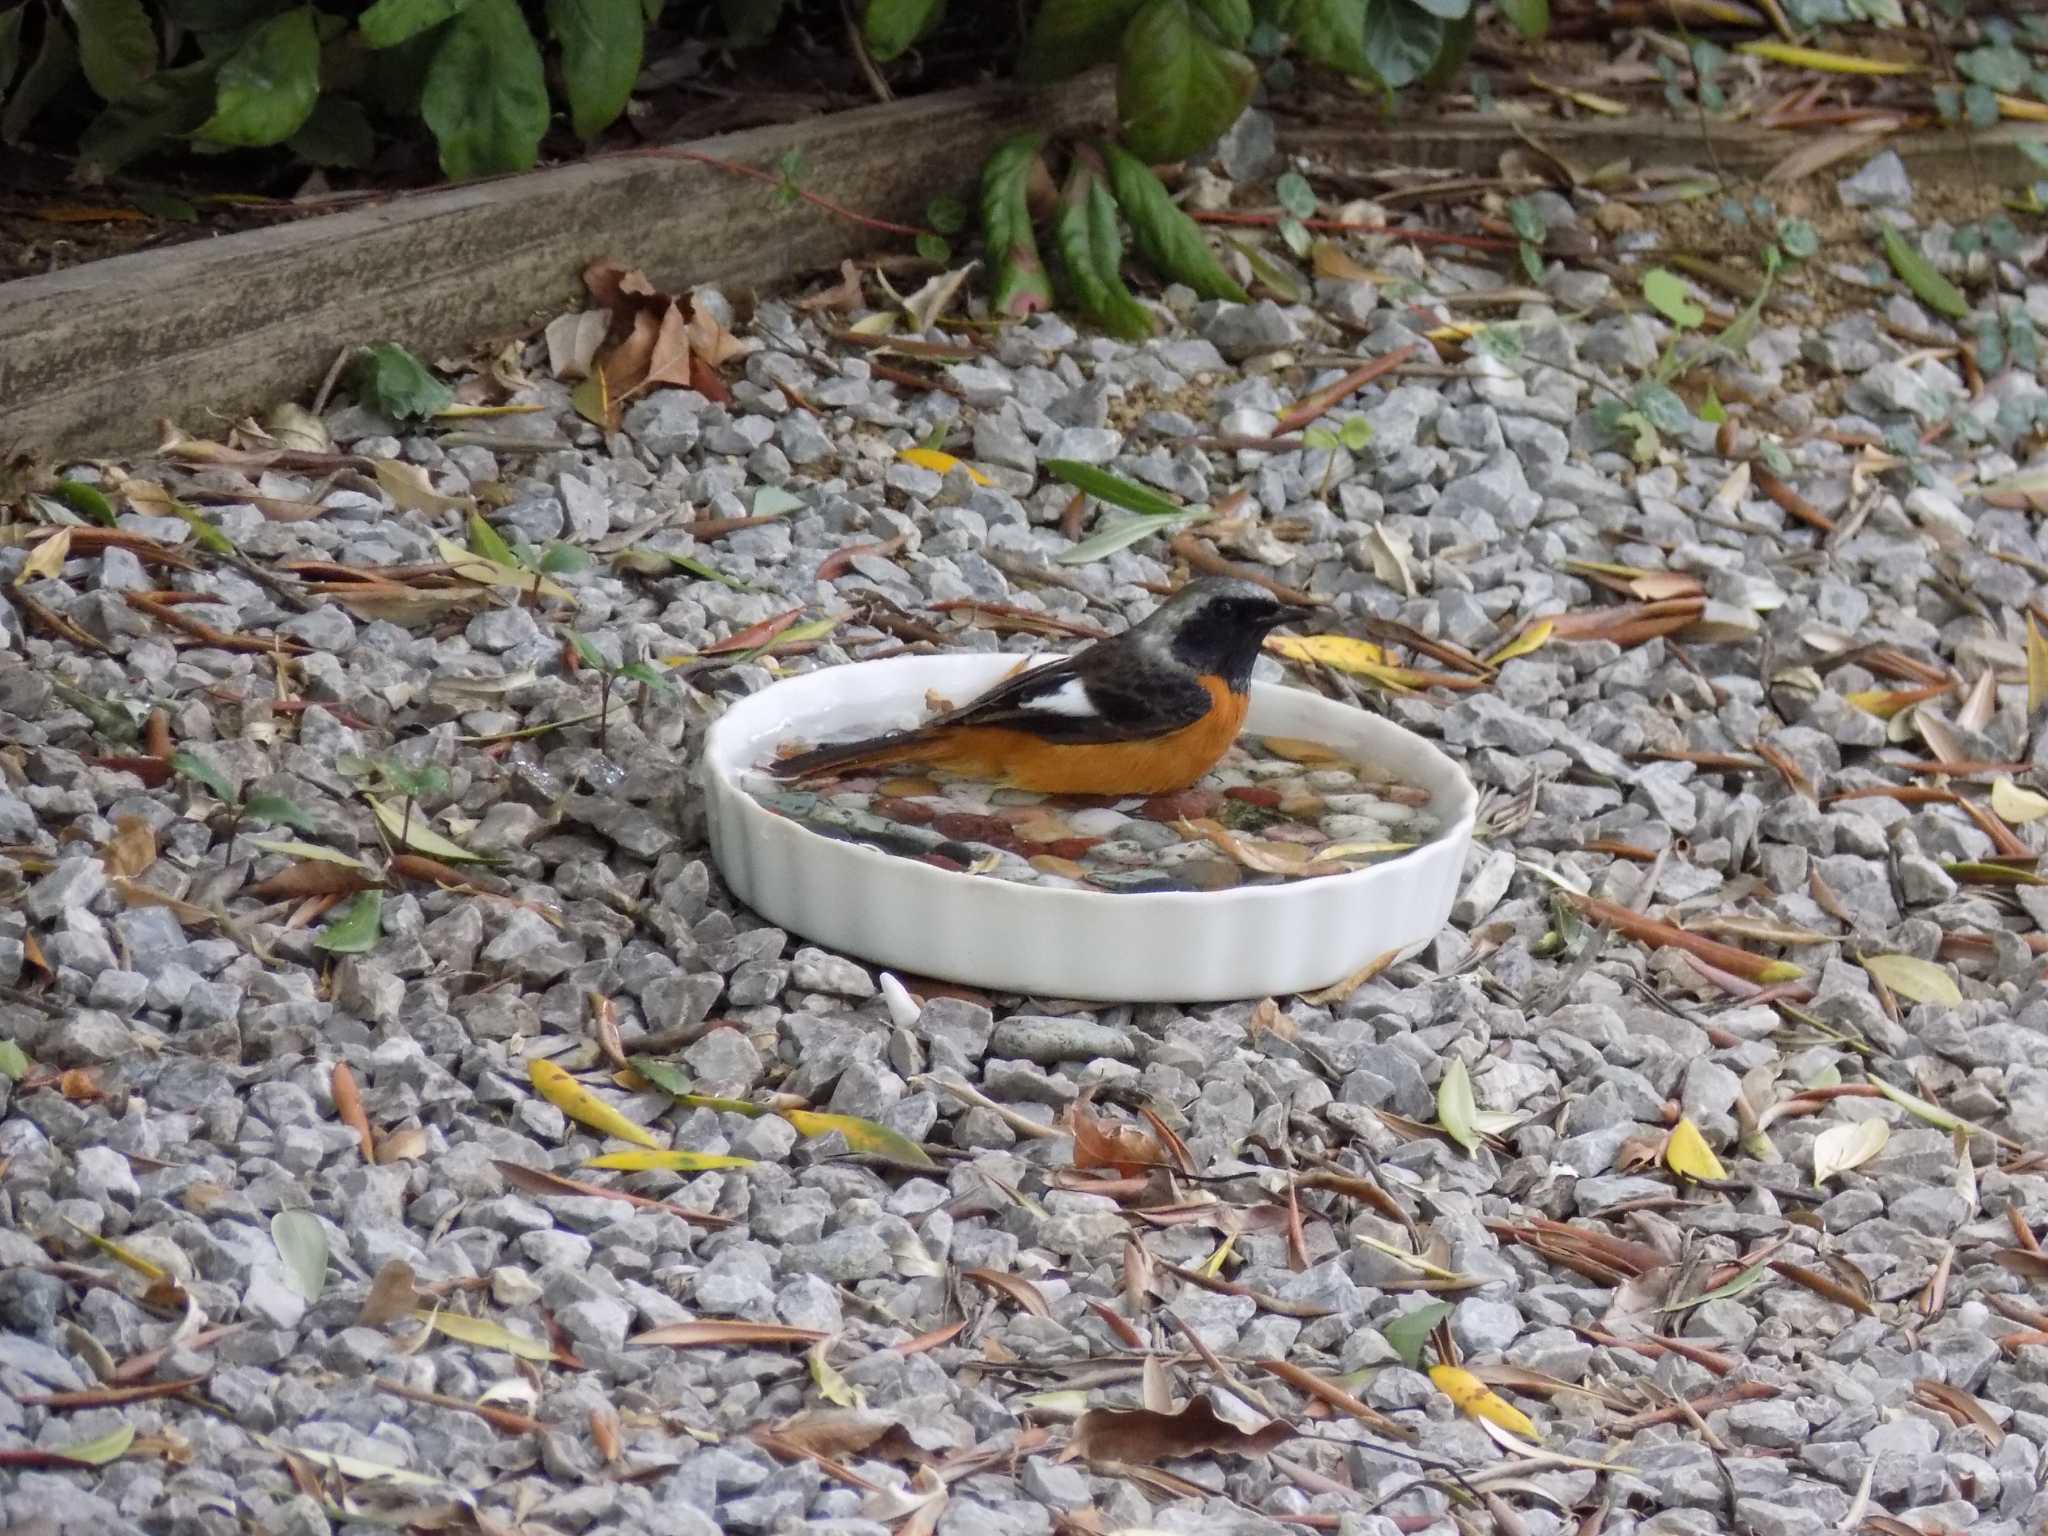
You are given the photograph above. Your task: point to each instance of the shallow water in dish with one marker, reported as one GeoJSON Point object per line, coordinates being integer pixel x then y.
{"type": "Point", "coordinates": [1274, 812]}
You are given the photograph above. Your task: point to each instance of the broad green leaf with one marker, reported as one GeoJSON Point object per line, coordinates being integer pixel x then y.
{"type": "Point", "coordinates": [190, 765]}
{"type": "Point", "coordinates": [1115, 489]}
{"type": "Point", "coordinates": [774, 501]}
{"type": "Point", "coordinates": [1687, 1154]}
{"type": "Point", "coordinates": [88, 501]}
{"type": "Point", "coordinates": [1165, 236]}
{"type": "Point", "coordinates": [101, 1449]}
{"type": "Point", "coordinates": [601, 42]}
{"type": "Point", "coordinates": [1455, 1108]}
{"type": "Point", "coordinates": [56, 61]}
{"type": "Point", "coordinates": [1402, 40]}
{"type": "Point", "coordinates": [564, 560]}
{"type": "Point", "coordinates": [1176, 88]}
{"type": "Point", "coordinates": [1091, 252]}
{"type": "Point", "coordinates": [1228, 21]}
{"type": "Point", "coordinates": [398, 384]}
{"type": "Point", "coordinates": [1021, 284]}
{"type": "Point", "coordinates": [418, 836]}
{"type": "Point", "coordinates": [1666, 293]}
{"type": "Point", "coordinates": [205, 532]}
{"type": "Point", "coordinates": [267, 87]}
{"type": "Point", "coordinates": [1407, 1333]}
{"type": "Point", "coordinates": [1840, 1148]}
{"type": "Point", "coordinates": [358, 928]}
{"type": "Point", "coordinates": [486, 95]}
{"type": "Point", "coordinates": [116, 44]}
{"type": "Point", "coordinates": [676, 1161]}
{"type": "Point", "coordinates": [337, 133]}
{"type": "Point", "coordinates": [891, 27]}
{"type": "Point", "coordinates": [1531, 18]}
{"type": "Point", "coordinates": [1330, 32]}
{"type": "Point", "coordinates": [1068, 36]}
{"type": "Point", "coordinates": [13, 1061]}
{"type": "Point", "coordinates": [641, 672]}
{"type": "Point", "coordinates": [485, 1334]}
{"type": "Point", "coordinates": [1928, 285]}
{"type": "Point", "coordinates": [861, 1135]}
{"type": "Point", "coordinates": [170, 104]}
{"type": "Point", "coordinates": [587, 653]}
{"type": "Point", "coordinates": [279, 811]}
{"type": "Point", "coordinates": [1919, 981]}
{"type": "Point", "coordinates": [675, 1082]}
{"type": "Point", "coordinates": [390, 22]}
{"type": "Point", "coordinates": [1121, 535]}
{"type": "Point", "coordinates": [302, 1244]}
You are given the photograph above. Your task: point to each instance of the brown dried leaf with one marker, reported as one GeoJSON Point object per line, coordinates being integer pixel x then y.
{"type": "Point", "coordinates": [393, 1294]}
{"type": "Point", "coordinates": [131, 850]}
{"type": "Point", "coordinates": [404, 1145]}
{"type": "Point", "coordinates": [311, 877]}
{"type": "Point", "coordinates": [1960, 1406]}
{"type": "Point", "coordinates": [720, 1334]}
{"type": "Point", "coordinates": [1142, 1436]}
{"type": "Point", "coordinates": [348, 1107]}
{"type": "Point", "coordinates": [835, 1433]}
{"type": "Point", "coordinates": [1100, 1143]}
{"type": "Point", "coordinates": [1015, 1287]}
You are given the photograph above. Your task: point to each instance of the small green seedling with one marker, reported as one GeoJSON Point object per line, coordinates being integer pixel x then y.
{"type": "Point", "coordinates": [609, 675]}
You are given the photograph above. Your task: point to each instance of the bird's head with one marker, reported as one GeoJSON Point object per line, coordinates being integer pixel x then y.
{"type": "Point", "coordinates": [1216, 626]}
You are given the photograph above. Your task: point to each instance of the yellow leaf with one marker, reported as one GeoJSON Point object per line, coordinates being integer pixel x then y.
{"type": "Point", "coordinates": [47, 558]}
{"type": "Point", "coordinates": [2021, 109]}
{"type": "Point", "coordinates": [1916, 980]}
{"type": "Point", "coordinates": [1456, 330]}
{"type": "Point", "coordinates": [861, 1135]}
{"type": "Point", "coordinates": [579, 1103]}
{"type": "Point", "coordinates": [1881, 702]}
{"type": "Point", "coordinates": [1687, 1154]}
{"type": "Point", "coordinates": [2017, 805]}
{"type": "Point", "coordinates": [471, 566]}
{"type": "Point", "coordinates": [485, 1334]}
{"type": "Point", "coordinates": [1842, 1147]}
{"type": "Point", "coordinates": [2037, 667]}
{"type": "Point", "coordinates": [1476, 1399]}
{"type": "Point", "coordinates": [1212, 1266]}
{"type": "Point", "coordinates": [113, 1250]}
{"type": "Point", "coordinates": [408, 485]}
{"type": "Point", "coordinates": [832, 1386]}
{"type": "Point", "coordinates": [667, 1162]}
{"type": "Point", "coordinates": [1606, 106]}
{"type": "Point", "coordinates": [1532, 638]}
{"type": "Point", "coordinates": [1821, 59]}
{"type": "Point", "coordinates": [418, 835]}
{"type": "Point", "coordinates": [942, 463]}
{"type": "Point", "coordinates": [1359, 657]}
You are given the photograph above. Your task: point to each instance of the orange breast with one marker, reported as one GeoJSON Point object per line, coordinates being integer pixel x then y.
{"type": "Point", "coordinates": [1155, 767]}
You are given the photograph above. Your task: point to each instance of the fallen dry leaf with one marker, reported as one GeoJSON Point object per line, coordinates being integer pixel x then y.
{"type": "Point", "coordinates": [1143, 1435]}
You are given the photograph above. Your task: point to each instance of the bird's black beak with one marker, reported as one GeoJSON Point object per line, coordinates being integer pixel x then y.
{"type": "Point", "coordinates": [1288, 613]}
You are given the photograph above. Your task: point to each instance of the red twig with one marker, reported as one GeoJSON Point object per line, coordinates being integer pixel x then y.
{"type": "Point", "coordinates": [1348, 226]}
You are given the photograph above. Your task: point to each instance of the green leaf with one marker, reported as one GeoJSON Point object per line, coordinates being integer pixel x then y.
{"type": "Point", "coordinates": [601, 42]}
{"type": "Point", "coordinates": [1797, 238]}
{"type": "Point", "coordinates": [101, 1449]}
{"type": "Point", "coordinates": [587, 653]}
{"type": "Point", "coordinates": [774, 501]}
{"type": "Point", "coordinates": [172, 104]}
{"type": "Point", "coordinates": [427, 779]}
{"type": "Point", "coordinates": [1402, 40]}
{"type": "Point", "coordinates": [1662, 408]}
{"type": "Point", "coordinates": [1229, 21]}
{"type": "Point", "coordinates": [1068, 36]}
{"type": "Point", "coordinates": [1091, 254]}
{"type": "Point", "coordinates": [1447, 10]}
{"type": "Point", "coordinates": [749, 23]}
{"type": "Point", "coordinates": [1121, 535]}
{"type": "Point", "coordinates": [1114, 489]}
{"type": "Point", "coordinates": [1296, 195]}
{"type": "Point", "coordinates": [1455, 1108]}
{"type": "Point", "coordinates": [486, 95]}
{"type": "Point", "coordinates": [1920, 1109]}
{"type": "Point", "coordinates": [1928, 285]}
{"type": "Point", "coordinates": [88, 501]}
{"type": "Point", "coordinates": [934, 248]}
{"type": "Point", "coordinates": [1021, 285]}
{"type": "Point", "coordinates": [947, 215]}
{"type": "Point", "coordinates": [1917, 980]}
{"type": "Point", "coordinates": [483, 1333]}
{"type": "Point", "coordinates": [1531, 18]}
{"type": "Point", "coordinates": [891, 27]}
{"type": "Point", "coordinates": [1407, 1333]}
{"type": "Point", "coordinates": [190, 765]}
{"type": "Point", "coordinates": [205, 534]}
{"type": "Point", "coordinates": [1459, 33]}
{"type": "Point", "coordinates": [1176, 89]}
{"type": "Point", "coordinates": [1321, 438]}
{"type": "Point", "coordinates": [10, 47]}
{"type": "Point", "coordinates": [267, 87]}
{"type": "Point", "coordinates": [55, 63]}
{"type": "Point", "coordinates": [2001, 68]}
{"type": "Point", "coordinates": [865, 1136]}
{"type": "Point", "coordinates": [278, 811]}
{"type": "Point", "coordinates": [1330, 32]}
{"type": "Point", "coordinates": [358, 928]}
{"type": "Point", "coordinates": [390, 22]}
{"type": "Point", "coordinates": [399, 384]}
{"type": "Point", "coordinates": [13, 1061]}
{"type": "Point", "coordinates": [418, 836]}
{"type": "Point", "coordinates": [641, 672]}
{"type": "Point", "coordinates": [1167, 238]}
{"type": "Point", "coordinates": [116, 44]}
{"type": "Point", "coordinates": [674, 1081]}
{"type": "Point", "coordinates": [488, 542]}
{"type": "Point", "coordinates": [1355, 434]}
{"type": "Point", "coordinates": [1724, 1292]}
{"type": "Point", "coordinates": [1666, 293]}
{"type": "Point", "coordinates": [337, 133]}
{"type": "Point", "coordinates": [302, 1243]}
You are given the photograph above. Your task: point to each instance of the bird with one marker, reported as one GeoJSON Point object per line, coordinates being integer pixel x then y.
{"type": "Point", "coordinates": [1145, 712]}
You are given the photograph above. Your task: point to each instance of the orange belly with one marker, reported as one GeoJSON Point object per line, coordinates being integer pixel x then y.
{"type": "Point", "coordinates": [1154, 767]}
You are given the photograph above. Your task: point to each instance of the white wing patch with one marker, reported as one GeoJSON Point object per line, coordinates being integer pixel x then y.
{"type": "Point", "coordinates": [1070, 699]}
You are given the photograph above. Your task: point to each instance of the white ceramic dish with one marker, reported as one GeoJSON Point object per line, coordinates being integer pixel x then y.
{"type": "Point", "coordinates": [1099, 946]}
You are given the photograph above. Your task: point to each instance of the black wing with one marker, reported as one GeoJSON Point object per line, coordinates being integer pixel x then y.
{"type": "Point", "coordinates": [1126, 699]}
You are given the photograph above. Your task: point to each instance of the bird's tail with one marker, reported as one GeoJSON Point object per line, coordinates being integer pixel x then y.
{"type": "Point", "coordinates": [852, 756]}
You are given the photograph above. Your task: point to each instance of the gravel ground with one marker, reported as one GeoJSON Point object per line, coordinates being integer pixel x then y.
{"type": "Point", "coordinates": [221, 1315]}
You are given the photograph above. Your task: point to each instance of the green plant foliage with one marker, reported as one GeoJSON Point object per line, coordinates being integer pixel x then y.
{"type": "Point", "coordinates": [10, 46]}
{"type": "Point", "coordinates": [891, 28]}
{"type": "Point", "coordinates": [1330, 32]}
{"type": "Point", "coordinates": [1091, 251]}
{"type": "Point", "coordinates": [390, 22]}
{"type": "Point", "coordinates": [1402, 39]}
{"type": "Point", "coordinates": [1067, 36]}
{"type": "Point", "coordinates": [1531, 18]}
{"type": "Point", "coordinates": [55, 62]}
{"type": "Point", "coordinates": [267, 88]}
{"type": "Point", "coordinates": [399, 384]}
{"type": "Point", "coordinates": [486, 94]}
{"type": "Point", "coordinates": [1021, 285]}
{"type": "Point", "coordinates": [601, 43]}
{"type": "Point", "coordinates": [116, 45]}
{"type": "Point", "coordinates": [1177, 88]}
{"type": "Point", "coordinates": [1170, 241]}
